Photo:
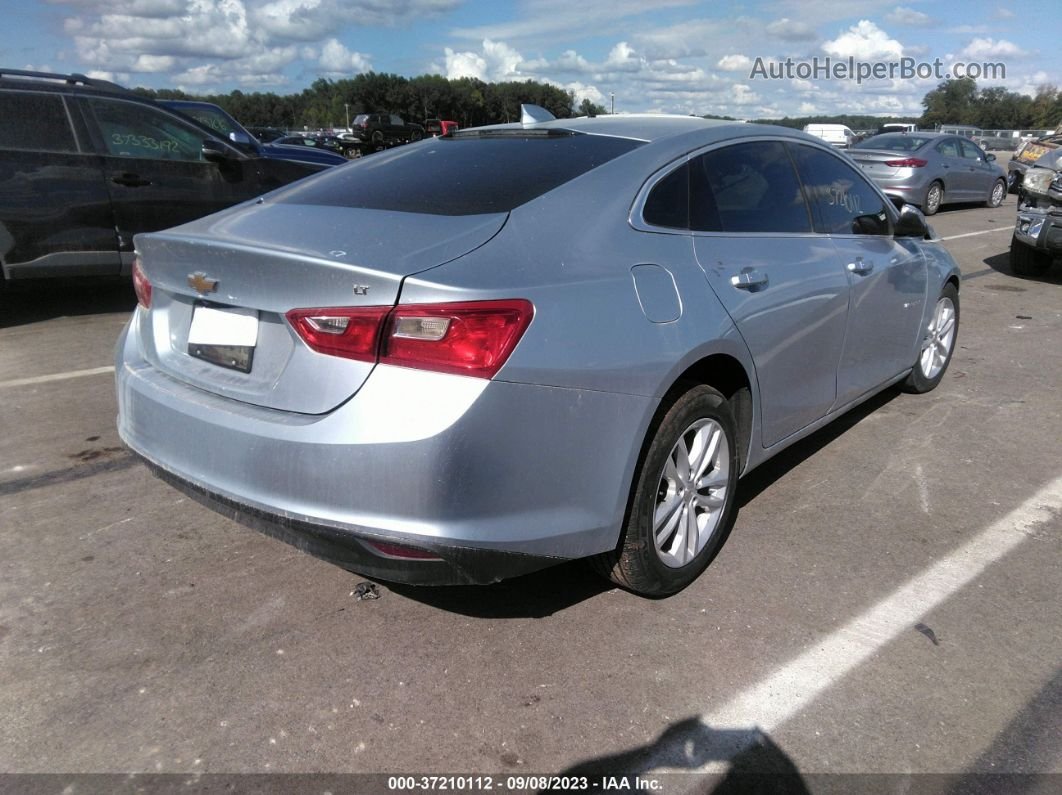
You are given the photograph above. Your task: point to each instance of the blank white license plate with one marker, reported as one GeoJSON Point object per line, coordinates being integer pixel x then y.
{"type": "Point", "coordinates": [225, 337]}
{"type": "Point", "coordinates": [230, 326]}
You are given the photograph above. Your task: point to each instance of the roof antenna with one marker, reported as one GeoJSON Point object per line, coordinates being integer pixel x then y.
{"type": "Point", "coordinates": [531, 114]}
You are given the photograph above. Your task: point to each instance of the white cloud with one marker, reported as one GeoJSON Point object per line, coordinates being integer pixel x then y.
{"type": "Point", "coordinates": [790, 30]}
{"type": "Point", "coordinates": [337, 59]}
{"type": "Point", "coordinates": [865, 41]}
{"type": "Point", "coordinates": [548, 19]}
{"type": "Point", "coordinates": [154, 63]}
{"type": "Point", "coordinates": [735, 63]}
{"type": "Point", "coordinates": [582, 91]}
{"type": "Point", "coordinates": [901, 15]}
{"type": "Point", "coordinates": [807, 109]}
{"type": "Point", "coordinates": [496, 61]}
{"type": "Point", "coordinates": [215, 42]}
{"type": "Point", "coordinates": [622, 57]}
{"type": "Point", "coordinates": [691, 39]}
{"type": "Point", "coordinates": [989, 48]}
{"type": "Point", "coordinates": [741, 94]}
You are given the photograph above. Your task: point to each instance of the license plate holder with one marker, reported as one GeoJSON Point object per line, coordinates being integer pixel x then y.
{"type": "Point", "coordinates": [225, 336]}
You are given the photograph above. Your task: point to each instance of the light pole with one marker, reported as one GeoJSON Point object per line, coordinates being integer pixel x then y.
{"type": "Point", "coordinates": [346, 109]}
{"type": "Point", "coordinates": [613, 97]}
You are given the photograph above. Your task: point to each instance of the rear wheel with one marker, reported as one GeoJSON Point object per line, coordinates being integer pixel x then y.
{"type": "Point", "coordinates": [934, 198]}
{"type": "Point", "coordinates": [995, 198]}
{"type": "Point", "coordinates": [938, 343]}
{"type": "Point", "coordinates": [682, 506]}
{"type": "Point", "coordinates": [1027, 261]}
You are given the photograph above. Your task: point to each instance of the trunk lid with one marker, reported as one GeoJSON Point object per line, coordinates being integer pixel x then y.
{"type": "Point", "coordinates": [872, 161]}
{"type": "Point", "coordinates": [236, 274]}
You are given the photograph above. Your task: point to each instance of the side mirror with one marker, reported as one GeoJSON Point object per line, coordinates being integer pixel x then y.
{"type": "Point", "coordinates": [911, 223]}
{"type": "Point", "coordinates": [240, 138]}
{"type": "Point", "coordinates": [990, 157]}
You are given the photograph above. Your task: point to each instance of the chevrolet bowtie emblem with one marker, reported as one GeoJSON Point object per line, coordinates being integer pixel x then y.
{"type": "Point", "coordinates": [202, 283]}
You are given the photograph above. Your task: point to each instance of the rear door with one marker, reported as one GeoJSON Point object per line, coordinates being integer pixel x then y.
{"type": "Point", "coordinates": [780, 281]}
{"type": "Point", "coordinates": [155, 170]}
{"type": "Point", "coordinates": [55, 210]}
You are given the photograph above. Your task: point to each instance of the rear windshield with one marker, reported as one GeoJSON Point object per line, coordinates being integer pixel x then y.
{"type": "Point", "coordinates": [476, 172]}
{"type": "Point", "coordinates": [895, 142]}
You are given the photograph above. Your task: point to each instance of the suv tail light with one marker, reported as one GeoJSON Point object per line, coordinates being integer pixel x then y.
{"type": "Point", "coordinates": [472, 338]}
{"type": "Point", "coordinates": [141, 285]}
{"type": "Point", "coordinates": [907, 162]}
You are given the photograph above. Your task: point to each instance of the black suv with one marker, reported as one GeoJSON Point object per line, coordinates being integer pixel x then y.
{"type": "Point", "coordinates": [377, 130]}
{"type": "Point", "coordinates": [86, 164]}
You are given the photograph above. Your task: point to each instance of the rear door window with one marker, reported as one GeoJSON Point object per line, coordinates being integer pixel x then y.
{"type": "Point", "coordinates": [35, 122]}
{"type": "Point", "coordinates": [750, 187]}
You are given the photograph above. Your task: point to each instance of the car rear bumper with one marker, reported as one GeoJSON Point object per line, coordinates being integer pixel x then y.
{"type": "Point", "coordinates": [911, 194]}
{"type": "Point", "coordinates": [494, 478]}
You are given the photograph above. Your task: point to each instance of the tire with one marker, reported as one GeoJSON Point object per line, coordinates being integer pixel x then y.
{"type": "Point", "coordinates": [699, 425]}
{"type": "Point", "coordinates": [934, 198]}
{"type": "Point", "coordinates": [1026, 261]}
{"type": "Point", "coordinates": [377, 139]}
{"type": "Point", "coordinates": [938, 344]}
{"type": "Point", "coordinates": [416, 135]}
{"type": "Point", "coordinates": [999, 192]}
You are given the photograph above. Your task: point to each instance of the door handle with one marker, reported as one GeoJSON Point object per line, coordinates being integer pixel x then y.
{"type": "Point", "coordinates": [130, 180]}
{"type": "Point", "coordinates": [749, 279]}
{"type": "Point", "coordinates": [860, 267]}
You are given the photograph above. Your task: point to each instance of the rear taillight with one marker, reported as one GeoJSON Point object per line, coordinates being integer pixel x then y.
{"type": "Point", "coordinates": [472, 338]}
{"type": "Point", "coordinates": [908, 162]}
{"type": "Point", "coordinates": [141, 285]}
{"type": "Point", "coordinates": [343, 331]}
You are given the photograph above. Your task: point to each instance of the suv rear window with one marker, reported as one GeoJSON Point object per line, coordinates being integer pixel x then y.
{"type": "Point", "coordinates": [472, 173]}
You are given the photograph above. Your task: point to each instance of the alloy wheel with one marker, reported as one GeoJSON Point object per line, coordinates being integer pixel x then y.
{"type": "Point", "coordinates": [691, 493]}
{"type": "Point", "coordinates": [940, 336]}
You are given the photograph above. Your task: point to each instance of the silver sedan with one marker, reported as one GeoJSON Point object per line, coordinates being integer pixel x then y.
{"type": "Point", "coordinates": [931, 169]}
{"type": "Point", "coordinates": [478, 355]}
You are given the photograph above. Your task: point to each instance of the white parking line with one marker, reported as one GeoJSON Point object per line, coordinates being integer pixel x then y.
{"type": "Point", "coordinates": [790, 689]}
{"type": "Point", "coordinates": [43, 379]}
{"type": "Point", "coordinates": [982, 232]}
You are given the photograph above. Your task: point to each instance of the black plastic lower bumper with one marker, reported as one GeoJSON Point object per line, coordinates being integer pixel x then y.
{"type": "Point", "coordinates": [352, 550]}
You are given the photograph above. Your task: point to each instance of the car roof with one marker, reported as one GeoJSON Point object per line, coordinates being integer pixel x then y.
{"type": "Point", "coordinates": [652, 128]}
{"type": "Point", "coordinates": [50, 81]}
{"type": "Point", "coordinates": [639, 126]}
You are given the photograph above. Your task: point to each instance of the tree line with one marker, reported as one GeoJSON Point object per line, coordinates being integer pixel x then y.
{"type": "Point", "coordinates": [472, 102]}
{"type": "Point", "coordinates": [960, 102]}
{"type": "Point", "coordinates": [331, 103]}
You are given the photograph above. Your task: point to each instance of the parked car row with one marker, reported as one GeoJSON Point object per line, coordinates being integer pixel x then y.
{"type": "Point", "coordinates": [930, 170]}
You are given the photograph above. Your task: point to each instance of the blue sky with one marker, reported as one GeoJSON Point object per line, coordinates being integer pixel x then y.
{"type": "Point", "coordinates": [670, 56]}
